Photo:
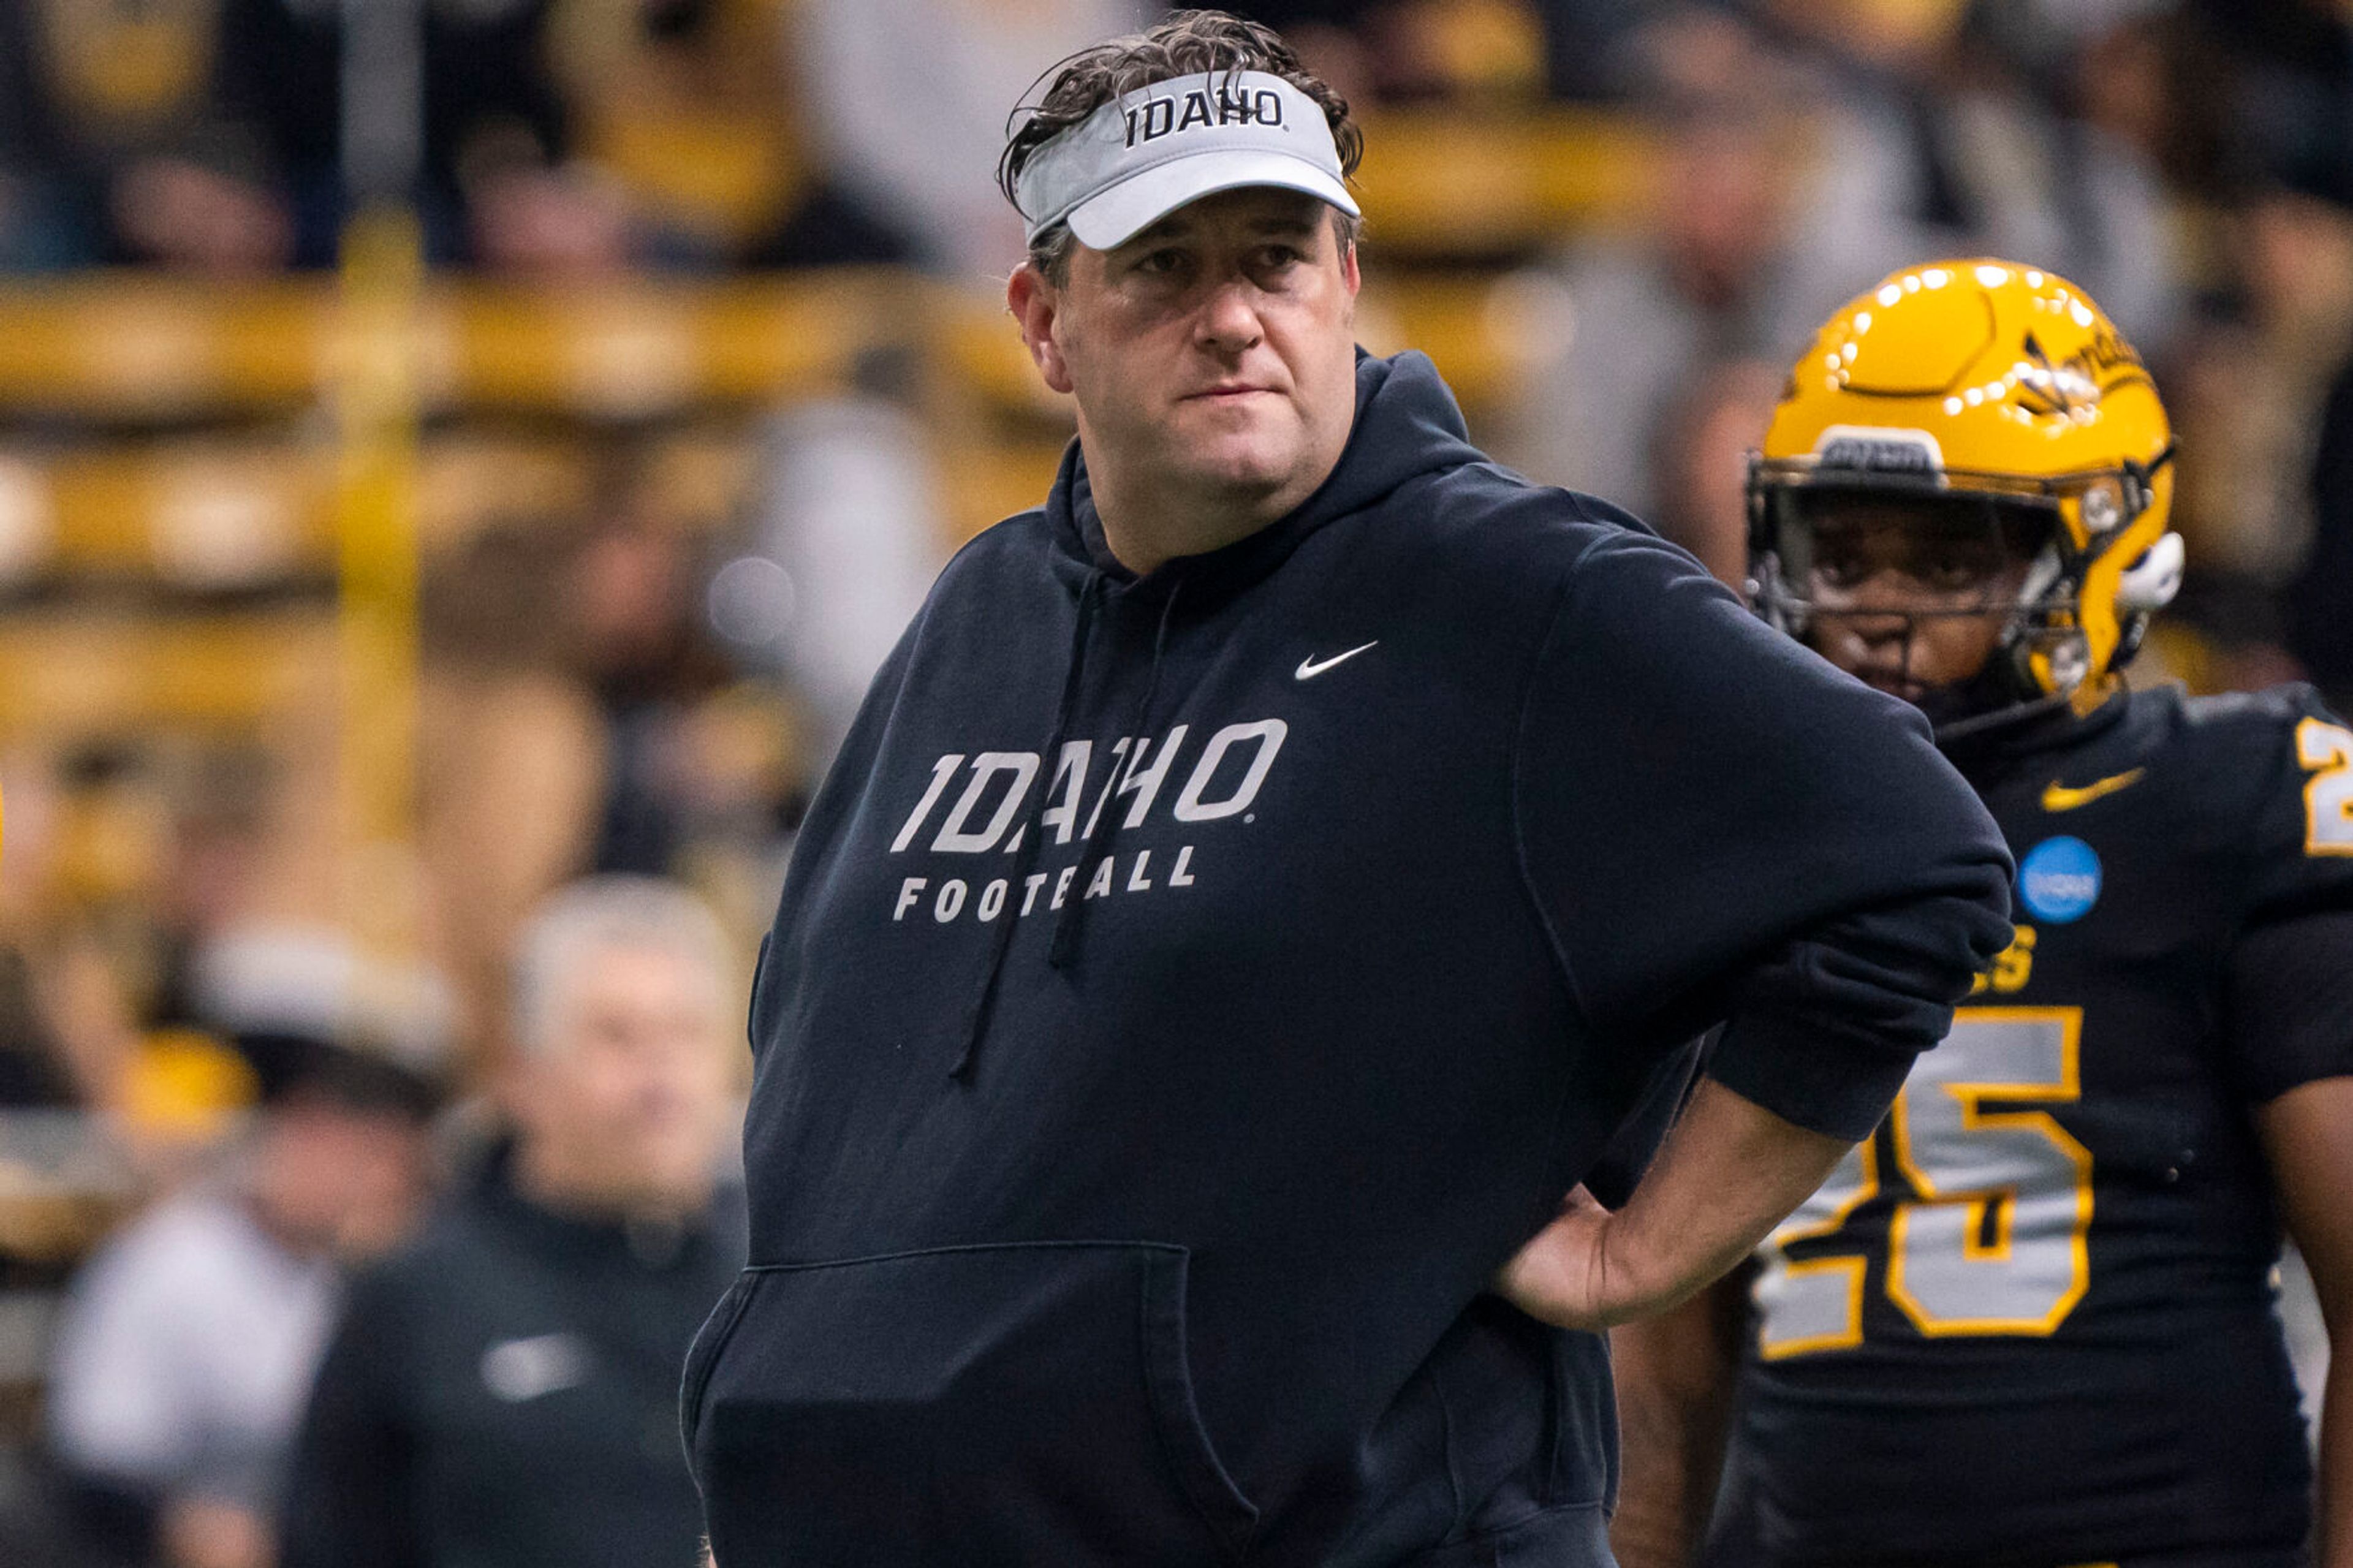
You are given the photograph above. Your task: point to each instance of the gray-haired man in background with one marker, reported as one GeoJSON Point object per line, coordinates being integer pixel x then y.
{"type": "Point", "coordinates": [504, 1393]}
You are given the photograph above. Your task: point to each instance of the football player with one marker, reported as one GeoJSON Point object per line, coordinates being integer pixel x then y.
{"type": "Point", "coordinates": [2030, 1323]}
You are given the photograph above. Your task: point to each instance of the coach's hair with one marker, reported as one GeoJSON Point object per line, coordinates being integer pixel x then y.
{"type": "Point", "coordinates": [1187, 44]}
{"type": "Point", "coordinates": [596, 915]}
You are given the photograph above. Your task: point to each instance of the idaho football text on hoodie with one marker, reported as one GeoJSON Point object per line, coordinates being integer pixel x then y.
{"type": "Point", "coordinates": [1188, 989]}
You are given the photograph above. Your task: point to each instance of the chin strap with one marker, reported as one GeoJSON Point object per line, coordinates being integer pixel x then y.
{"type": "Point", "coordinates": [1999, 718]}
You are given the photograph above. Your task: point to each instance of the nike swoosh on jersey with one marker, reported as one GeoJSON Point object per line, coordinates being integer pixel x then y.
{"type": "Point", "coordinates": [518, 1370]}
{"type": "Point", "coordinates": [2060, 797]}
{"type": "Point", "coordinates": [1309, 668]}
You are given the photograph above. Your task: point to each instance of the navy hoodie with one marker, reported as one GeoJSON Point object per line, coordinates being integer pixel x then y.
{"type": "Point", "coordinates": [1188, 989]}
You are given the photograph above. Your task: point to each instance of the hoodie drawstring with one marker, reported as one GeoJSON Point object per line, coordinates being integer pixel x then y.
{"type": "Point", "coordinates": [976, 1018]}
{"type": "Point", "coordinates": [1065, 945]}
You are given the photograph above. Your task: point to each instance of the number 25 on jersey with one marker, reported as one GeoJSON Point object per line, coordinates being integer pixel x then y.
{"type": "Point", "coordinates": [1988, 1234]}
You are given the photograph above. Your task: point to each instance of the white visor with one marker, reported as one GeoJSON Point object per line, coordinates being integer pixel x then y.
{"type": "Point", "coordinates": [1139, 158]}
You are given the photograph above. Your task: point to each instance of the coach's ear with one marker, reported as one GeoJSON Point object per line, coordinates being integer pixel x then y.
{"type": "Point", "coordinates": [1037, 305]}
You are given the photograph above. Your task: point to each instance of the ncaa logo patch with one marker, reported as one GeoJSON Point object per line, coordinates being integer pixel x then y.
{"type": "Point", "coordinates": [2059, 880]}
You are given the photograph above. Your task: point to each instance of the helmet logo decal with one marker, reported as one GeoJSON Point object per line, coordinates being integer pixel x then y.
{"type": "Point", "coordinates": [2073, 384]}
{"type": "Point", "coordinates": [2047, 388]}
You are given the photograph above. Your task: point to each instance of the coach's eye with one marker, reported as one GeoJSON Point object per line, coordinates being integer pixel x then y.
{"type": "Point", "coordinates": [1162, 262]}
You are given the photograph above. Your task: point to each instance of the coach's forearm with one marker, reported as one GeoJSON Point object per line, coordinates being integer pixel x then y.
{"type": "Point", "coordinates": [1662, 1506]}
{"type": "Point", "coordinates": [1674, 1375]}
{"type": "Point", "coordinates": [1729, 1171]}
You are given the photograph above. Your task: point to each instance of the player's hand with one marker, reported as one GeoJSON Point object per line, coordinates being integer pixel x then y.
{"type": "Point", "coordinates": [1565, 1277]}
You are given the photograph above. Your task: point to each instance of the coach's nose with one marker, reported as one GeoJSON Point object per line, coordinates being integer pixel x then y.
{"type": "Point", "coordinates": [1229, 323]}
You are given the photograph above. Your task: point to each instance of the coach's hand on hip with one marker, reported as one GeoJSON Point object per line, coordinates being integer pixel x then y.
{"type": "Point", "coordinates": [1728, 1174]}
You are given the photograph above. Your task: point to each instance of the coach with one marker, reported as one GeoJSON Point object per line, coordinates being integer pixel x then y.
{"type": "Point", "coordinates": [1259, 884]}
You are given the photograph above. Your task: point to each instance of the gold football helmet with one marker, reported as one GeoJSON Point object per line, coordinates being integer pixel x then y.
{"type": "Point", "coordinates": [1989, 382]}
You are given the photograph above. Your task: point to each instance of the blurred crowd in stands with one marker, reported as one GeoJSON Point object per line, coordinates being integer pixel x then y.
{"type": "Point", "coordinates": [219, 1108]}
{"type": "Point", "coordinates": [2188, 161]}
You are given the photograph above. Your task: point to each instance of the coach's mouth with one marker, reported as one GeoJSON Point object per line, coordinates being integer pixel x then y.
{"type": "Point", "coordinates": [1227, 392]}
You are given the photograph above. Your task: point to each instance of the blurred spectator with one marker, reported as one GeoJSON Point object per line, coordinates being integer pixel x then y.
{"type": "Point", "coordinates": [129, 859]}
{"type": "Point", "coordinates": [847, 510]}
{"type": "Point", "coordinates": [1474, 51]}
{"type": "Point", "coordinates": [187, 1346]}
{"type": "Point", "coordinates": [1933, 137]}
{"type": "Point", "coordinates": [643, 643]}
{"type": "Point", "coordinates": [2154, 76]}
{"type": "Point", "coordinates": [41, 971]}
{"type": "Point", "coordinates": [677, 99]}
{"type": "Point", "coordinates": [1712, 274]}
{"type": "Point", "coordinates": [2296, 263]}
{"type": "Point", "coordinates": [504, 1393]}
{"type": "Point", "coordinates": [495, 185]}
{"type": "Point", "coordinates": [32, 1072]}
{"type": "Point", "coordinates": [587, 705]}
{"type": "Point", "coordinates": [2251, 391]}
{"type": "Point", "coordinates": [2290, 67]}
{"type": "Point", "coordinates": [40, 228]}
{"type": "Point", "coordinates": [908, 102]}
{"type": "Point", "coordinates": [512, 755]}
{"type": "Point", "coordinates": [705, 770]}
{"type": "Point", "coordinates": [1700, 453]}
{"type": "Point", "coordinates": [2320, 600]}
{"type": "Point", "coordinates": [206, 134]}
{"type": "Point", "coordinates": [558, 137]}
{"type": "Point", "coordinates": [1808, 147]}
{"type": "Point", "coordinates": [1583, 39]}
{"type": "Point", "coordinates": [109, 150]}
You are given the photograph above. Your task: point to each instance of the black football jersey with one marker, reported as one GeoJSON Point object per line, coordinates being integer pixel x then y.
{"type": "Point", "coordinates": [2030, 1321]}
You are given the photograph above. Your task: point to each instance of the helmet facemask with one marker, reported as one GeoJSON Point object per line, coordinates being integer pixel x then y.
{"type": "Point", "coordinates": [1894, 565]}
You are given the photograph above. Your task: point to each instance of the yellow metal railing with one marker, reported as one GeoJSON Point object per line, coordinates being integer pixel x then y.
{"type": "Point", "coordinates": [375, 400]}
